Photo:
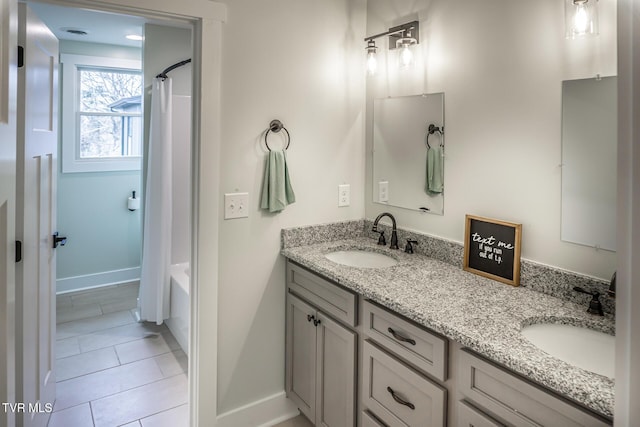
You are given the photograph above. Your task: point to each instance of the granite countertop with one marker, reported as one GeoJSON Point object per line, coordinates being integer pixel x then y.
{"type": "Point", "coordinates": [481, 314]}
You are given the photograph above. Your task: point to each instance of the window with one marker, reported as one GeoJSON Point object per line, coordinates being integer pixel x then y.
{"type": "Point", "coordinates": [101, 114]}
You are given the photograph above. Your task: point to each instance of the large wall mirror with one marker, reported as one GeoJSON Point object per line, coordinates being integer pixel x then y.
{"type": "Point", "coordinates": [589, 140]}
{"type": "Point", "coordinates": [408, 152]}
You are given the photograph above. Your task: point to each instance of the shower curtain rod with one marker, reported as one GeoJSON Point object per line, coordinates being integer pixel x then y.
{"type": "Point", "coordinates": [163, 75]}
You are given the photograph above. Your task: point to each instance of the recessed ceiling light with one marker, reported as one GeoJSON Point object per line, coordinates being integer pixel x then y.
{"type": "Point", "coordinates": [75, 31]}
{"type": "Point", "coordinates": [135, 37]}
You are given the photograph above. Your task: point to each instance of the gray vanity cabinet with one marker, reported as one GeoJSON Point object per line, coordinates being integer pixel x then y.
{"type": "Point", "coordinates": [320, 359]}
{"type": "Point", "coordinates": [368, 420]}
{"type": "Point", "coordinates": [395, 358]}
{"type": "Point", "coordinates": [301, 356]}
{"type": "Point", "coordinates": [514, 400]}
{"type": "Point", "coordinates": [399, 395]}
{"type": "Point", "coordinates": [469, 416]}
{"type": "Point", "coordinates": [419, 347]}
{"type": "Point", "coordinates": [393, 372]}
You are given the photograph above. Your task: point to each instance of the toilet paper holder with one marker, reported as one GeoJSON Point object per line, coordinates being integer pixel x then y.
{"type": "Point", "coordinates": [133, 204]}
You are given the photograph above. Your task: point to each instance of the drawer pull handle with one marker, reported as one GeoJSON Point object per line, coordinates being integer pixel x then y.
{"type": "Point", "coordinates": [310, 317]}
{"type": "Point", "coordinates": [400, 337]}
{"type": "Point", "coordinates": [316, 322]}
{"type": "Point", "coordinates": [400, 400]}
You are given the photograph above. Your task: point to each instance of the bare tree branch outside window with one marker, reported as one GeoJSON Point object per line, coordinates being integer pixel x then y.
{"type": "Point", "coordinates": [110, 113]}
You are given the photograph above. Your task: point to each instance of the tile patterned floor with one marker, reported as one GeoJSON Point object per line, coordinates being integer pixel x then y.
{"type": "Point", "coordinates": [113, 371]}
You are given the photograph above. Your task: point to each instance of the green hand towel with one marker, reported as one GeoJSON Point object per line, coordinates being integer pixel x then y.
{"type": "Point", "coordinates": [276, 186]}
{"type": "Point", "coordinates": [435, 170]}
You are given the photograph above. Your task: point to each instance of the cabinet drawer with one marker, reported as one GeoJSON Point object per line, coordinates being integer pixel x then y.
{"type": "Point", "coordinates": [516, 400]}
{"type": "Point", "coordinates": [328, 297]}
{"type": "Point", "coordinates": [423, 349]}
{"type": "Point", "coordinates": [468, 416]}
{"type": "Point", "coordinates": [369, 420]}
{"type": "Point", "coordinates": [399, 395]}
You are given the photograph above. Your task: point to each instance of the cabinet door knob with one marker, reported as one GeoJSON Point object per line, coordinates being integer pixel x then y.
{"type": "Point", "coordinates": [401, 338]}
{"type": "Point", "coordinates": [310, 317]}
{"type": "Point", "coordinates": [316, 322]}
{"type": "Point", "coordinates": [400, 400]}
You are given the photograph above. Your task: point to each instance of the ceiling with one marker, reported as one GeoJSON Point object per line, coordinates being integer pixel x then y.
{"type": "Point", "coordinates": [101, 27]}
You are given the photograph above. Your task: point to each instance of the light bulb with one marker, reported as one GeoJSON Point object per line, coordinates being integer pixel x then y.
{"type": "Point", "coordinates": [406, 56]}
{"type": "Point", "coordinates": [580, 19]}
{"type": "Point", "coordinates": [372, 63]}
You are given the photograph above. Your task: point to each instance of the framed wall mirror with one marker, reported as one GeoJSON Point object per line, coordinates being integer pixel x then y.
{"type": "Point", "coordinates": [408, 152]}
{"type": "Point", "coordinates": [589, 141]}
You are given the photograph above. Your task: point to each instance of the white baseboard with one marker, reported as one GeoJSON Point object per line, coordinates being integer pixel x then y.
{"type": "Point", "coordinates": [90, 281]}
{"type": "Point", "coordinates": [262, 413]}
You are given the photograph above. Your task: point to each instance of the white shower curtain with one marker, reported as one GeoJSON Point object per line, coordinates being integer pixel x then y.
{"type": "Point", "coordinates": [156, 246]}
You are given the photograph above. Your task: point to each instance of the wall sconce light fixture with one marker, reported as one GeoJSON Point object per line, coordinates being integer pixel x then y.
{"type": "Point", "coordinates": [401, 37]}
{"type": "Point", "coordinates": [581, 18]}
{"type": "Point", "coordinates": [372, 61]}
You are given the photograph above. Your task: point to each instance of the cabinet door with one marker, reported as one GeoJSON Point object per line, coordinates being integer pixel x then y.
{"type": "Point", "coordinates": [301, 355]}
{"type": "Point", "coordinates": [336, 374]}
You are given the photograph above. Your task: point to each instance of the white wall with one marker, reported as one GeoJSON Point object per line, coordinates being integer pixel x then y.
{"type": "Point", "coordinates": [299, 61]}
{"type": "Point", "coordinates": [500, 64]}
{"type": "Point", "coordinates": [165, 46]}
{"type": "Point", "coordinates": [104, 237]}
{"type": "Point", "coordinates": [181, 180]}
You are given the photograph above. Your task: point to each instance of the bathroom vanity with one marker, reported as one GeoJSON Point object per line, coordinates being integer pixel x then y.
{"type": "Point", "coordinates": [423, 343]}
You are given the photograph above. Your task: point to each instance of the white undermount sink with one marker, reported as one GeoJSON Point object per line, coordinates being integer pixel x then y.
{"type": "Point", "coordinates": [362, 259]}
{"type": "Point", "coordinates": [585, 348]}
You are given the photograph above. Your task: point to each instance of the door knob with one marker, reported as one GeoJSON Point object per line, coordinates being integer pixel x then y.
{"type": "Point", "coordinates": [58, 240]}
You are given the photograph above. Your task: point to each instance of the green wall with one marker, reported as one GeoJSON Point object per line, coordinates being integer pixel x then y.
{"type": "Point", "coordinates": [104, 243]}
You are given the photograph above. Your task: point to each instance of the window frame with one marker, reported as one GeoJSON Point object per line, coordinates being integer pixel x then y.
{"type": "Point", "coordinates": [71, 114]}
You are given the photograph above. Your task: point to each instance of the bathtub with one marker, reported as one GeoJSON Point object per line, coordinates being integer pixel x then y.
{"type": "Point", "coordinates": [178, 321]}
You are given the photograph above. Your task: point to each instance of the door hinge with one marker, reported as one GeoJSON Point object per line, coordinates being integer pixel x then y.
{"type": "Point", "coordinates": [18, 251]}
{"type": "Point", "coordinates": [20, 56]}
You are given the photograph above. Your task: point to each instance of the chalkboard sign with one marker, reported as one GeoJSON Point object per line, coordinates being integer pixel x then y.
{"type": "Point", "coordinates": [492, 249]}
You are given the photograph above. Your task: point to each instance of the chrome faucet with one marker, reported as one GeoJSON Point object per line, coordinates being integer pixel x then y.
{"type": "Point", "coordinates": [394, 233]}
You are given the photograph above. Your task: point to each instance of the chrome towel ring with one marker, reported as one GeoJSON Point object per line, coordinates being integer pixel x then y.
{"type": "Point", "coordinates": [276, 126]}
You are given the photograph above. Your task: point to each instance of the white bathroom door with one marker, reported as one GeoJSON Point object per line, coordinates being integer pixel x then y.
{"type": "Point", "coordinates": [8, 86]}
{"type": "Point", "coordinates": [35, 223]}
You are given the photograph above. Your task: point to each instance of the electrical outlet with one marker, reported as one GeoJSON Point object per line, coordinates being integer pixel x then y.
{"type": "Point", "coordinates": [344, 195]}
{"type": "Point", "coordinates": [236, 205]}
{"type": "Point", "coordinates": [383, 191]}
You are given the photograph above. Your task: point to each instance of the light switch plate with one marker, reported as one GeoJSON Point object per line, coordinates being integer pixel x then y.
{"type": "Point", "coordinates": [344, 195]}
{"type": "Point", "coordinates": [383, 191]}
{"type": "Point", "coordinates": [236, 205]}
